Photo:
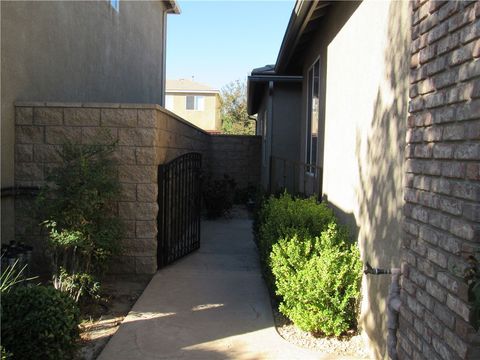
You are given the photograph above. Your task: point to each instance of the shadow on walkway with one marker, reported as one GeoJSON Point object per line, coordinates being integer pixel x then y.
{"type": "Point", "coordinates": [211, 304]}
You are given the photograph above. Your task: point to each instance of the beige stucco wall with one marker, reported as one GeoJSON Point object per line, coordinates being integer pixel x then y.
{"type": "Point", "coordinates": [207, 119]}
{"type": "Point", "coordinates": [75, 51]}
{"type": "Point", "coordinates": [366, 70]}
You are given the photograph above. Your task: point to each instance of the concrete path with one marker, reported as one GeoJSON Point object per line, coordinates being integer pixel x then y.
{"type": "Point", "coordinates": [212, 304]}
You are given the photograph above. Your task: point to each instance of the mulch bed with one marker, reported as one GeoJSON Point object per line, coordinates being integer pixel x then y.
{"type": "Point", "coordinates": [101, 320]}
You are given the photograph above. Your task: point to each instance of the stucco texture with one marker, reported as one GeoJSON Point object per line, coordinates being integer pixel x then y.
{"type": "Point", "coordinates": [206, 119]}
{"type": "Point", "coordinates": [366, 70]}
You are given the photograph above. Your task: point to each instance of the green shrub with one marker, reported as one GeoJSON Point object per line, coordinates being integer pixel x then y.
{"type": "Point", "coordinates": [218, 195]}
{"type": "Point", "coordinates": [285, 217]}
{"type": "Point", "coordinates": [318, 279]}
{"type": "Point", "coordinates": [39, 323]}
{"type": "Point", "coordinates": [77, 209]}
{"type": "Point", "coordinates": [5, 354]}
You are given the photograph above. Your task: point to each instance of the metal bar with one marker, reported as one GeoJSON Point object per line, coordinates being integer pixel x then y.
{"type": "Point", "coordinates": [178, 220]}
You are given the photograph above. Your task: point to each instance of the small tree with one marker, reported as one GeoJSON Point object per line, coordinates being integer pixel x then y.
{"type": "Point", "coordinates": [233, 109]}
{"type": "Point", "coordinates": [76, 207]}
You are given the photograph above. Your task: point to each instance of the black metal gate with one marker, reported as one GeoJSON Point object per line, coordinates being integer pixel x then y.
{"type": "Point", "coordinates": [179, 208]}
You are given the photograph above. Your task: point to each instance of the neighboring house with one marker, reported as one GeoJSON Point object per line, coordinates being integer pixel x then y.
{"type": "Point", "coordinates": [195, 102]}
{"type": "Point", "coordinates": [77, 51]}
{"type": "Point", "coordinates": [384, 126]}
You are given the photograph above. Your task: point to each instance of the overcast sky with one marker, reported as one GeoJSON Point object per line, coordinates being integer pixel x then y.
{"type": "Point", "coordinates": [221, 41]}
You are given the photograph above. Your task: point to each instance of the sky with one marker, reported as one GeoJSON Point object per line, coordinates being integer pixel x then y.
{"type": "Point", "coordinates": [217, 42]}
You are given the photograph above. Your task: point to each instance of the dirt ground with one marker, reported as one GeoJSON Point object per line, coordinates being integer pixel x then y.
{"type": "Point", "coordinates": [101, 321]}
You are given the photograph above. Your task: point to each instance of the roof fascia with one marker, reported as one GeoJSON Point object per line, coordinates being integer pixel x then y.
{"type": "Point", "coordinates": [172, 91]}
{"type": "Point", "coordinates": [301, 14]}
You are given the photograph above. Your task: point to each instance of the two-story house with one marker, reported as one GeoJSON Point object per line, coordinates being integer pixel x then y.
{"type": "Point", "coordinates": [195, 102]}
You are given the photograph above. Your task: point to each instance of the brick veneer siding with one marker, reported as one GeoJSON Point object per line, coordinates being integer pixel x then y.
{"type": "Point", "coordinates": [442, 190]}
{"type": "Point", "coordinates": [147, 136]}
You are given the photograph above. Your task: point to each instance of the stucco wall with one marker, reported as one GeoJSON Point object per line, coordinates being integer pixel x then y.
{"type": "Point", "coordinates": [76, 51]}
{"type": "Point", "coordinates": [363, 49]}
{"type": "Point", "coordinates": [286, 124]}
{"type": "Point", "coordinates": [207, 119]}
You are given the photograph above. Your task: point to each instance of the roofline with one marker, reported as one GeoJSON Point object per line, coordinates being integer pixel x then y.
{"type": "Point", "coordinates": [192, 91]}
{"type": "Point", "coordinates": [278, 78]}
{"type": "Point", "coordinates": [255, 84]}
{"type": "Point", "coordinates": [301, 13]}
{"type": "Point", "coordinates": [172, 7]}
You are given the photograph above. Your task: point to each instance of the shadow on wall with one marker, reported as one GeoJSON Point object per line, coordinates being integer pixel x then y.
{"type": "Point", "coordinates": [380, 159]}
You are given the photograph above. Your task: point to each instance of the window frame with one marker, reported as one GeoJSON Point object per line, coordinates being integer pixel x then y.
{"type": "Point", "coordinates": [311, 153]}
{"type": "Point", "coordinates": [198, 102]}
{"type": "Point", "coordinates": [169, 101]}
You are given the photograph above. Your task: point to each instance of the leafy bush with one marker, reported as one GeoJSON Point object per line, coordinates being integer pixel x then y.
{"type": "Point", "coordinates": [243, 195]}
{"type": "Point", "coordinates": [318, 279]}
{"type": "Point", "coordinates": [78, 285]}
{"type": "Point", "coordinates": [472, 277]}
{"type": "Point", "coordinates": [5, 355]}
{"type": "Point", "coordinates": [39, 323]}
{"type": "Point", "coordinates": [77, 210]}
{"type": "Point", "coordinates": [285, 217]}
{"type": "Point", "coordinates": [218, 195]}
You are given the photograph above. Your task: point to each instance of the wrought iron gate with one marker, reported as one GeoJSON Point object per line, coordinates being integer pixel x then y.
{"type": "Point", "coordinates": [179, 208]}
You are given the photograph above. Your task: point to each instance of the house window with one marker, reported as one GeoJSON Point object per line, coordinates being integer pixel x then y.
{"type": "Point", "coordinates": [115, 4]}
{"type": "Point", "coordinates": [264, 138]}
{"type": "Point", "coordinates": [312, 115]}
{"type": "Point", "coordinates": [195, 102]}
{"type": "Point", "coordinates": [169, 102]}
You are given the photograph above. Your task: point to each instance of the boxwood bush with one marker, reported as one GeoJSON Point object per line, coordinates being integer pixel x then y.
{"type": "Point", "coordinates": [285, 217]}
{"type": "Point", "coordinates": [39, 322]}
{"type": "Point", "coordinates": [318, 279]}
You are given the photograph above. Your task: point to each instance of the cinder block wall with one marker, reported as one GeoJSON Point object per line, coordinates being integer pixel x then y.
{"type": "Point", "coordinates": [442, 193]}
{"type": "Point", "coordinates": [147, 136]}
{"type": "Point", "coordinates": [236, 156]}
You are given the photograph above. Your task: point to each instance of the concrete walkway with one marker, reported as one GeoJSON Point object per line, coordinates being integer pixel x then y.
{"type": "Point", "coordinates": [212, 304]}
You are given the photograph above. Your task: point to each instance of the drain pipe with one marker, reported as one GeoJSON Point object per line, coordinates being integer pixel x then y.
{"type": "Point", "coordinates": [393, 306]}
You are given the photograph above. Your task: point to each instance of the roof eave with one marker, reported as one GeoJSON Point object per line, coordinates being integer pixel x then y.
{"type": "Point", "coordinates": [256, 85]}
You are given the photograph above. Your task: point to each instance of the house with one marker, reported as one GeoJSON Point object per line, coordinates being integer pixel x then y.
{"type": "Point", "coordinates": [74, 51]}
{"type": "Point", "coordinates": [195, 102]}
{"type": "Point", "coordinates": [73, 71]}
{"type": "Point", "coordinates": [383, 119]}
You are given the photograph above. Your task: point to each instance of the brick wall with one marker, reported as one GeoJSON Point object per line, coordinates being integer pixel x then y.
{"type": "Point", "coordinates": [442, 194]}
{"type": "Point", "coordinates": [147, 136]}
{"type": "Point", "coordinates": [237, 156]}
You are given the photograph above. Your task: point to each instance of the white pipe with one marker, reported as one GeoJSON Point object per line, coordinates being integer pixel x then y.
{"type": "Point", "coordinates": [393, 307]}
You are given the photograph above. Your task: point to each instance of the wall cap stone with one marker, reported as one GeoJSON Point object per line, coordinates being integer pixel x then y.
{"type": "Point", "coordinates": [109, 106]}
{"type": "Point", "coordinates": [235, 136]}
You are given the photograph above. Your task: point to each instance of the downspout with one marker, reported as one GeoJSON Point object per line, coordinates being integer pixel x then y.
{"type": "Point", "coordinates": [269, 133]}
{"type": "Point", "coordinates": [164, 60]}
{"type": "Point", "coordinates": [393, 306]}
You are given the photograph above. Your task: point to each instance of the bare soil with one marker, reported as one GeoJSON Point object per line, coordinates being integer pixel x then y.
{"type": "Point", "coordinates": [102, 319]}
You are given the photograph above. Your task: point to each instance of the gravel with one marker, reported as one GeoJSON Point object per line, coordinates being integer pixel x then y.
{"type": "Point", "coordinates": [349, 345]}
